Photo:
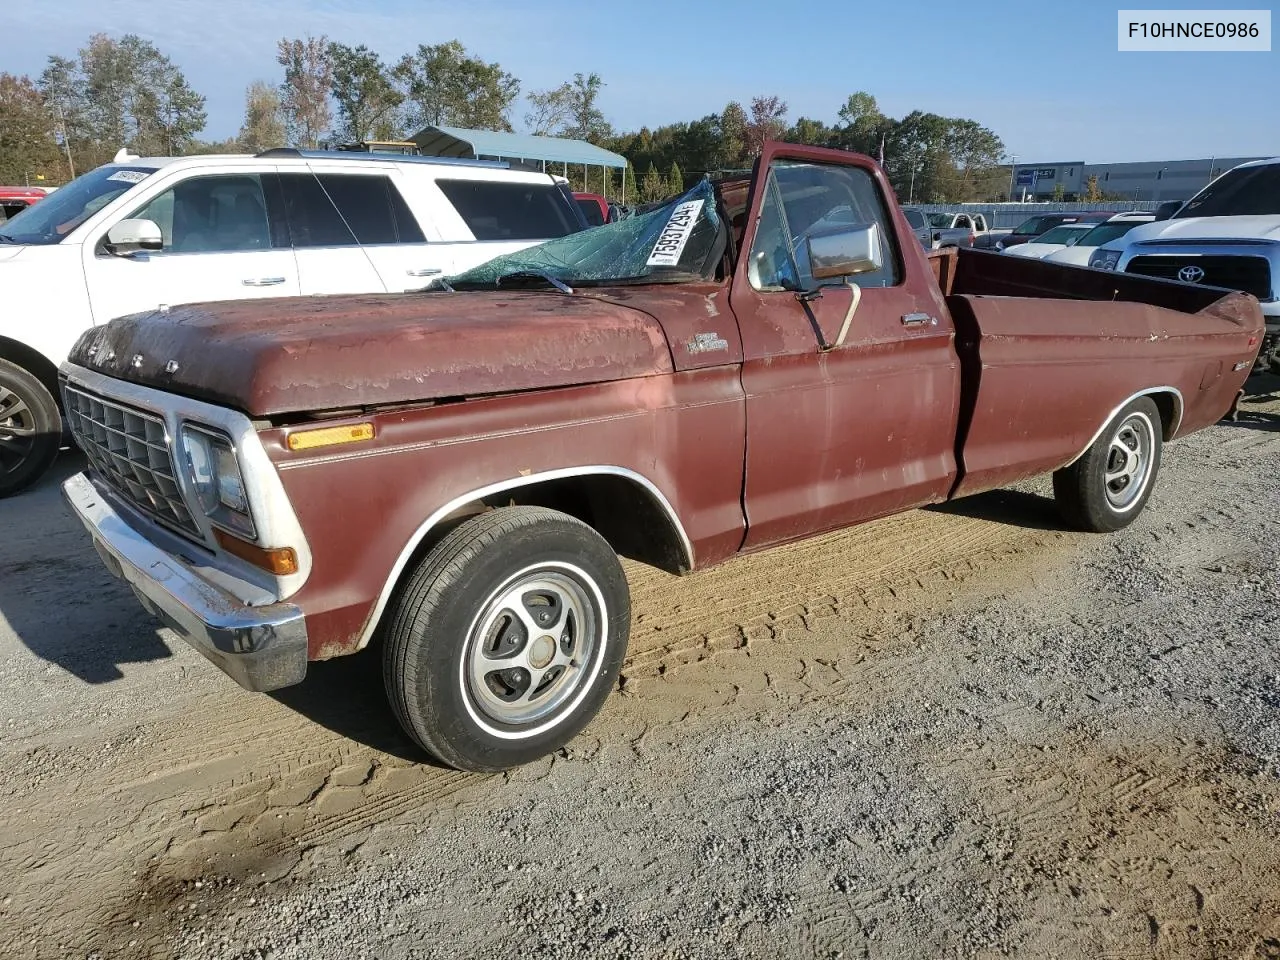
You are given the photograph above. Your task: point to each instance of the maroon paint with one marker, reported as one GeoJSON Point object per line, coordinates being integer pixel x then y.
{"type": "Point", "coordinates": [666, 381]}
{"type": "Point", "coordinates": [292, 355]}
{"type": "Point", "coordinates": [862, 430]}
{"type": "Point", "coordinates": [684, 433]}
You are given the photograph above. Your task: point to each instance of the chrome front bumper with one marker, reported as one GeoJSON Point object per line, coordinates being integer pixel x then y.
{"type": "Point", "coordinates": [261, 648]}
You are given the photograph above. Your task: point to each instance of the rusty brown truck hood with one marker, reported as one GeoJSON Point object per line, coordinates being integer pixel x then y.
{"type": "Point", "coordinates": [278, 357]}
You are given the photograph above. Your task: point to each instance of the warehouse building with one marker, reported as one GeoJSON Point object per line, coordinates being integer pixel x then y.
{"type": "Point", "coordinates": [1148, 180]}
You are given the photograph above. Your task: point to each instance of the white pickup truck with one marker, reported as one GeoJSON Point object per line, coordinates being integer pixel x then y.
{"type": "Point", "coordinates": [141, 233]}
{"type": "Point", "coordinates": [1227, 235]}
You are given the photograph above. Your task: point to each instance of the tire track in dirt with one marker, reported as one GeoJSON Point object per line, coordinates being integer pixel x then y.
{"type": "Point", "coordinates": [241, 788]}
{"type": "Point", "coordinates": [891, 562]}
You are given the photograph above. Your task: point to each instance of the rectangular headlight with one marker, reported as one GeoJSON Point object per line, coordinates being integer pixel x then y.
{"type": "Point", "coordinates": [214, 473]}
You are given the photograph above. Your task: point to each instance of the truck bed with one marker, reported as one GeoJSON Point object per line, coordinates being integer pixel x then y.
{"type": "Point", "coordinates": [1021, 322]}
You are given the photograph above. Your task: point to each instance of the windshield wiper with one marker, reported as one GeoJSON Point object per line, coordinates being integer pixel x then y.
{"type": "Point", "coordinates": [539, 274]}
{"type": "Point", "coordinates": [7, 239]}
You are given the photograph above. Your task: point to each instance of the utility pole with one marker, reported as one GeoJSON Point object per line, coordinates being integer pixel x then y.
{"type": "Point", "coordinates": [1013, 164]}
{"type": "Point", "coordinates": [66, 141]}
{"type": "Point", "coordinates": [1159, 177]}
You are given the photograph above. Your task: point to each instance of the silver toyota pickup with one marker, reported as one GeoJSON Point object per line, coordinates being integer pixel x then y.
{"type": "Point", "coordinates": [1227, 235]}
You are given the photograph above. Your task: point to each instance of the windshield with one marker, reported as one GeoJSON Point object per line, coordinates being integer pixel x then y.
{"type": "Point", "coordinates": [681, 241]}
{"type": "Point", "coordinates": [1037, 225]}
{"type": "Point", "coordinates": [1064, 235]}
{"type": "Point", "coordinates": [61, 212]}
{"type": "Point", "coordinates": [942, 220]}
{"type": "Point", "coordinates": [1106, 232]}
{"type": "Point", "coordinates": [591, 210]}
{"type": "Point", "coordinates": [1242, 192]}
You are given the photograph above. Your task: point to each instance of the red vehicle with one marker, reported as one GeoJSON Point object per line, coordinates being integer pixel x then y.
{"type": "Point", "coordinates": [594, 207]}
{"type": "Point", "coordinates": [453, 474]}
{"type": "Point", "coordinates": [13, 200]}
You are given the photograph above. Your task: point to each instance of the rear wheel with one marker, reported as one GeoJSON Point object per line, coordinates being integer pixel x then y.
{"type": "Point", "coordinates": [30, 428]}
{"type": "Point", "coordinates": [1108, 487]}
{"type": "Point", "coordinates": [507, 638]}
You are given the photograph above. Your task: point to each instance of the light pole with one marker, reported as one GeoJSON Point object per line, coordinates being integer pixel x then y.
{"type": "Point", "coordinates": [1013, 165]}
{"type": "Point", "coordinates": [1159, 177]}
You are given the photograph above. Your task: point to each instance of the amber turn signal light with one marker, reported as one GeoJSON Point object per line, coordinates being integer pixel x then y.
{"type": "Point", "coordinates": [282, 561]}
{"type": "Point", "coordinates": [328, 436]}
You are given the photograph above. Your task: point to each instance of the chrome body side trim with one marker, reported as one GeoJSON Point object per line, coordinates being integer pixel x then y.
{"type": "Point", "coordinates": [1170, 433]}
{"type": "Point", "coordinates": [511, 484]}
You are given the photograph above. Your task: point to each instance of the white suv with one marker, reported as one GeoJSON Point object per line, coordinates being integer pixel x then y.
{"type": "Point", "coordinates": [140, 233]}
{"type": "Point", "coordinates": [1227, 235]}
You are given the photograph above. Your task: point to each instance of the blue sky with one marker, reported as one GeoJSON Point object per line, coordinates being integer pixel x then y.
{"type": "Point", "coordinates": [1045, 76]}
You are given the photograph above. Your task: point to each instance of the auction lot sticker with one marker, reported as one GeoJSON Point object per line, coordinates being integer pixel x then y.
{"type": "Point", "coordinates": [1182, 30]}
{"type": "Point", "coordinates": [666, 252]}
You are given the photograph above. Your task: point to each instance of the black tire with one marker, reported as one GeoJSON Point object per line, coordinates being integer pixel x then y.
{"type": "Point", "coordinates": [453, 698]}
{"type": "Point", "coordinates": [1086, 498]}
{"type": "Point", "coordinates": [30, 429]}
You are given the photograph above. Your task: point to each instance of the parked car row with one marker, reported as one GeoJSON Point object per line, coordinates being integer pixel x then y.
{"type": "Point", "coordinates": [1227, 235]}
{"type": "Point", "coordinates": [1072, 242]}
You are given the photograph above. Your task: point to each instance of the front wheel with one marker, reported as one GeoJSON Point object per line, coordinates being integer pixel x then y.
{"type": "Point", "coordinates": [30, 429]}
{"type": "Point", "coordinates": [507, 638]}
{"type": "Point", "coordinates": [1108, 487]}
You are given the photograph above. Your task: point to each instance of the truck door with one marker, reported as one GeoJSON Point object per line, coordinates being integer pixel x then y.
{"type": "Point", "coordinates": [838, 434]}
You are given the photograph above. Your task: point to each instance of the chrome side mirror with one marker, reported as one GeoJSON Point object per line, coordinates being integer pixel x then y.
{"type": "Point", "coordinates": [845, 251]}
{"type": "Point", "coordinates": [133, 236]}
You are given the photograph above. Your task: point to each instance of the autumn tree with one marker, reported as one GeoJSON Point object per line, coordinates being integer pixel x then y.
{"type": "Point", "coordinates": [1092, 190]}
{"type": "Point", "coordinates": [304, 94]}
{"type": "Point", "coordinates": [27, 144]}
{"type": "Point", "coordinates": [586, 121]}
{"type": "Point", "coordinates": [766, 123]}
{"type": "Point", "coordinates": [446, 86]}
{"type": "Point", "coordinates": [121, 93]}
{"type": "Point", "coordinates": [263, 126]}
{"type": "Point", "coordinates": [548, 111]}
{"type": "Point", "coordinates": [365, 93]}
{"type": "Point", "coordinates": [569, 110]}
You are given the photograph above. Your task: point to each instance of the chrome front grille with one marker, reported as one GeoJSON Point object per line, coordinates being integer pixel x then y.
{"type": "Point", "coordinates": [130, 450]}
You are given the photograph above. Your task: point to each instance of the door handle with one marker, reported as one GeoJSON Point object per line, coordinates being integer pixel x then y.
{"type": "Point", "coordinates": [918, 320]}
{"type": "Point", "coordinates": [262, 281]}
{"type": "Point", "coordinates": [423, 272]}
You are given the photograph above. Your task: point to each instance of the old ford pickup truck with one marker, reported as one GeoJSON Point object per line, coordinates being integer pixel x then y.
{"type": "Point", "coordinates": [453, 474]}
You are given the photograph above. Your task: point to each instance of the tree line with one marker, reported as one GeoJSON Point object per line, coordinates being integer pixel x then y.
{"type": "Point", "coordinates": [126, 92]}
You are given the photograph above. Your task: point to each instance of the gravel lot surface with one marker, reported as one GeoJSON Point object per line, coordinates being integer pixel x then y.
{"type": "Point", "coordinates": [961, 732]}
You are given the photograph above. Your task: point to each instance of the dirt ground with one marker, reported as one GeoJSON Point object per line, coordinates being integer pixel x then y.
{"type": "Point", "coordinates": [961, 732]}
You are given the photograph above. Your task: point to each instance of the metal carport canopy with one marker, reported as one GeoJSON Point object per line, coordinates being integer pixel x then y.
{"type": "Point", "coordinates": [460, 142]}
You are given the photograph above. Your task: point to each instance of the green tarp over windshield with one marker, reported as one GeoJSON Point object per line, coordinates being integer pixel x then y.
{"type": "Point", "coordinates": [680, 238]}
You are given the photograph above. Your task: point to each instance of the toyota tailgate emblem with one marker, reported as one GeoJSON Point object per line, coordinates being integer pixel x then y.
{"type": "Point", "coordinates": [1191, 274]}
